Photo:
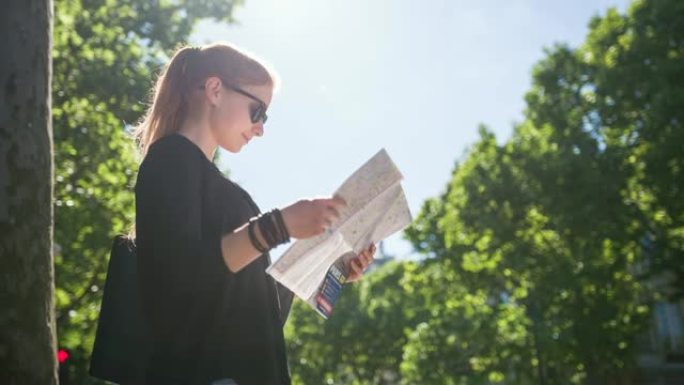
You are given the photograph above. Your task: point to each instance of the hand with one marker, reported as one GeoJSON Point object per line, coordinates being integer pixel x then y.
{"type": "Point", "coordinates": [310, 217]}
{"type": "Point", "coordinates": [359, 263]}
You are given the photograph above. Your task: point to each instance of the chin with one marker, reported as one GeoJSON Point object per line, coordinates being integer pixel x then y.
{"type": "Point", "coordinates": [233, 147]}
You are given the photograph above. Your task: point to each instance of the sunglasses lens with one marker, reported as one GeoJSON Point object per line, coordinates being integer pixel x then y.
{"type": "Point", "coordinates": [258, 114]}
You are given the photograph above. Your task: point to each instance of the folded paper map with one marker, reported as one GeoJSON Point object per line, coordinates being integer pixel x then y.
{"type": "Point", "coordinates": [316, 268]}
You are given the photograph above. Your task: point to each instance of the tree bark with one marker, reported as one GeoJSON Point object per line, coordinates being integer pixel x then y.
{"type": "Point", "coordinates": [27, 316]}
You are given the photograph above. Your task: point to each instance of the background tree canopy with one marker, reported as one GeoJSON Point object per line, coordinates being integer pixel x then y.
{"type": "Point", "coordinates": [541, 256]}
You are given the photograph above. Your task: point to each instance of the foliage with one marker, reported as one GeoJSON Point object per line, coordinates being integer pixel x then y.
{"type": "Point", "coordinates": [542, 252]}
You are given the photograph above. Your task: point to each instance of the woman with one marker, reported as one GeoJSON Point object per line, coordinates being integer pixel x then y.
{"type": "Point", "coordinates": [213, 314]}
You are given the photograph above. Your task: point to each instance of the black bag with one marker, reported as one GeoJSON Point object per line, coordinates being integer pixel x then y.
{"type": "Point", "coordinates": [119, 349]}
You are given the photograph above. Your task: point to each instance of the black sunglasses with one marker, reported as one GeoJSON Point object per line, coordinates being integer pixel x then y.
{"type": "Point", "coordinates": [255, 114]}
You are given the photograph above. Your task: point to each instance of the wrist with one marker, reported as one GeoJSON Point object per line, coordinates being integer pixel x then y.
{"type": "Point", "coordinates": [268, 230]}
{"type": "Point", "coordinates": [288, 221]}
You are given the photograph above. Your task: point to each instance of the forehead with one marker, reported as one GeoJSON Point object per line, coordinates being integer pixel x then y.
{"type": "Point", "coordinates": [263, 92]}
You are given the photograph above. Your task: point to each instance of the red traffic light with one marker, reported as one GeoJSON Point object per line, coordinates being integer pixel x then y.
{"type": "Point", "coordinates": [62, 355]}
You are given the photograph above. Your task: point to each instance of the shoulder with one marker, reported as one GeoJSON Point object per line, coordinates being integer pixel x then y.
{"type": "Point", "coordinates": [173, 152]}
{"type": "Point", "coordinates": [174, 144]}
{"type": "Point", "coordinates": [172, 159]}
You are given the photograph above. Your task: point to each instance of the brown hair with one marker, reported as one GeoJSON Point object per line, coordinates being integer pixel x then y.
{"type": "Point", "coordinates": [188, 68]}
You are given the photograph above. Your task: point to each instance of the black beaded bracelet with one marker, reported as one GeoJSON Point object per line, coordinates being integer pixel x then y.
{"type": "Point", "coordinates": [252, 237]}
{"type": "Point", "coordinates": [283, 234]}
{"type": "Point", "coordinates": [281, 223]}
{"type": "Point", "coordinates": [267, 229]}
{"type": "Point", "coordinates": [276, 236]}
{"type": "Point", "coordinates": [271, 228]}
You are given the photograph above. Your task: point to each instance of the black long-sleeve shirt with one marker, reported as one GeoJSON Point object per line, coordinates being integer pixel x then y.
{"type": "Point", "coordinates": [204, 322]}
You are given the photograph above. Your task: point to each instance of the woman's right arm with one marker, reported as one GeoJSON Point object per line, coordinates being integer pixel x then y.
{"type": "Point", "coordinates": [303, 219]}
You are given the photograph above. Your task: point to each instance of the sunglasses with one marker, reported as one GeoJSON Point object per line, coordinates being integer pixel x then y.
{"type": "Point", "coordinates": [255, 113]}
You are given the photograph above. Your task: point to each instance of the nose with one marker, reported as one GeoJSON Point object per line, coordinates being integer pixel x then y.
{"type": "Point", "coordinates": [258, 129]}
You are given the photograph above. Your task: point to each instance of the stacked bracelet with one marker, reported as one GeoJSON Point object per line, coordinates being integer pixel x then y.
{"type": "Point", "coordinates": [281, 223]}
{"type": "Point", "coordinates": [273, 230]}
{"type": "Point", "coordinates": [277, 227]}
{"type": "Point", "coordinates": [252, 236]}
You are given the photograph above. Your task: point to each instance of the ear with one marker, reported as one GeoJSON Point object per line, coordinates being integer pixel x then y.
{"type": "Point", "coordinates": [212, 90]}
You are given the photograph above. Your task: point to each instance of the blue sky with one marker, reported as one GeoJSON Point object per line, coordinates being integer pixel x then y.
{"type": "Point", "coordinates": [414, 77]}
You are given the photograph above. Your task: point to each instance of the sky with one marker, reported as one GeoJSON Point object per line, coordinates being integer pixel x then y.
{"type": "Point", "coordinates": [413, 77]}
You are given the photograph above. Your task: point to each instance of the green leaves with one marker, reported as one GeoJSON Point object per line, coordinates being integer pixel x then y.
{"type": "Point", "coordinates": [539, 252]}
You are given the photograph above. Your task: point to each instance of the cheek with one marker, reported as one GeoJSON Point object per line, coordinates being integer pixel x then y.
{"type": "Point", "coordinates": [226, 129]}
{"type": "Point", "coordinates": [221, 122]}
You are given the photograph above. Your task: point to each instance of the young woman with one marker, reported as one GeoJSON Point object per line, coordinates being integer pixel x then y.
{"type": "Point", "coordinates": [213, 314]}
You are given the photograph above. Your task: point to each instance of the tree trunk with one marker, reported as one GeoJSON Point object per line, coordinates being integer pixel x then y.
{"type": "Point", "coordinates": [27, 315]}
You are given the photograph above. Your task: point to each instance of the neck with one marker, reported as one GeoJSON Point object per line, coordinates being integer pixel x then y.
{"type": "Point", "coordinates": [201, 136]}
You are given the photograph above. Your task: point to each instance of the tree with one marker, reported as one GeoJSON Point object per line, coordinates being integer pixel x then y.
{"type": "Point", "coordinates": [539, 254]}
{"type": "Point", "coordinates": [536, 251]}
{"type": "Point", "coordinates": [106, 55]}
{"type": "Point", "coordinates": [553, 222]}
{"type": "Point", "coordinates": [635, 64]}
{"type": "Point", "coordinates": [28, 347]}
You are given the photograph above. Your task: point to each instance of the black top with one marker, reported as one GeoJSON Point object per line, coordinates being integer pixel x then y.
{"type": "Point", "coordinates": [204, 321]}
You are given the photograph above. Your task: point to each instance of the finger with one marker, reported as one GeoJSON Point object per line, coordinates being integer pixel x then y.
{"type": "Point", "coordinates": [333, 211]}
{"type": "Point", "coordinates": [363, 258]}
{"type": "Point", "coordinates": [364, 265]}
{"type": "Point", "coordinates": [369, 256]}
{"type": "Point", "coordinates": [357, 262]}
{"type": "Point", "coordinates": [340, 200]}
{"type": "Point", "coordinates": [356, 269]}
{"type": "Point", "coordinates": [366, 262]}
{"type": "Point", "coordinates": [335, 202]}
{"type": "Point", "coordinates": [368, 259]}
